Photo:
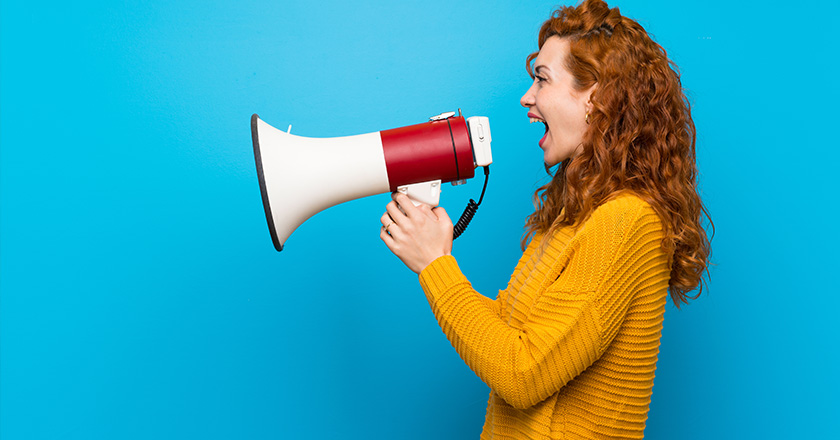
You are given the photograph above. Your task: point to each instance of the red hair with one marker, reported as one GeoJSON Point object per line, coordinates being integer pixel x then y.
{"type": "Point", "coordinates": [640, 138]}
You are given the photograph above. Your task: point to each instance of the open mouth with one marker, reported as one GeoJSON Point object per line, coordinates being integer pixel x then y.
{"type": "Point", "coordinates": [533, 119]}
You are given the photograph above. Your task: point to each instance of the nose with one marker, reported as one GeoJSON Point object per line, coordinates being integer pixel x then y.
{"type": "Point", "coordinates": [528, 99]}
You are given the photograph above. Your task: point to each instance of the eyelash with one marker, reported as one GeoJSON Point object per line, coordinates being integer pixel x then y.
{"type": "Point", "coordinates": [539, 78]}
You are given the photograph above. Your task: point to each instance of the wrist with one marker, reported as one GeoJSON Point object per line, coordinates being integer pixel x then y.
{"type": "Point", "coordinates": [438, 277]}
{"type": "Point", "coordinates": [429, 262]}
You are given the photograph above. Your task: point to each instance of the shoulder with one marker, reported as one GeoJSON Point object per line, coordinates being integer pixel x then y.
{"type": "Point", "coordinates": [619, 217]}
{"type": "Point", "coordinates": [620, 208]}
{"type": "Point", "coordinates": [624, 225]}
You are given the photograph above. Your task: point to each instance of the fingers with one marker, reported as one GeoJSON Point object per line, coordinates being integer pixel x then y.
{"type": "Point", "coordinates": [401, 216]}
{"type": "Point", "coordinates": [405, 204]}
{"type": "Point", "coordinates": [401, 211]}
{"type": "Point", "coordinates": [386, 219]}
{"type": "Point", "coordinates": [393, 214]}
{"type": "Point", "coordinates": [387, 238]}
{"type": "Point", "coordinates": [441, 215]}
{"type": "Point", "coordinates": [389, 226]}
{"type": "Point", "coordinates": [427, 211]}
{"type": "Point", "coordinates": [416, 234]}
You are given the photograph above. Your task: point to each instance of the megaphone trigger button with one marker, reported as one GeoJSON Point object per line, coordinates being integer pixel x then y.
{"type": "Point", "coordinates": [442, 116]}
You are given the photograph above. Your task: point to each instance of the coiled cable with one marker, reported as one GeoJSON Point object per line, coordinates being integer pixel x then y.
{"type": "Point", "coordinates": [470, 210]}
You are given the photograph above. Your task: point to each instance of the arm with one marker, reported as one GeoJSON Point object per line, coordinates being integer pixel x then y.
{"type": "Point", "coordinates": [573, 322]}
{"type": "Point", "coordinates": [511, 361]}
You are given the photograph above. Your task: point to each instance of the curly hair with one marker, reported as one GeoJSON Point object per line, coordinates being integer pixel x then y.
{"type": "Point", "coordinates": [640, 138]}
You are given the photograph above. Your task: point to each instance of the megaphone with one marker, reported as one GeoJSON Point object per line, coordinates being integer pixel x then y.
{"type": "Point", "coordinates": [301, 176]}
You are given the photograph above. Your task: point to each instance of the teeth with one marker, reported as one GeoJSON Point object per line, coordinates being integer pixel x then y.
{"type": "Point", "coordinates": [536, 120]}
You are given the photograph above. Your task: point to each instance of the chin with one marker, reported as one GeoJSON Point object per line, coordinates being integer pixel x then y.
{"type": "Point", "coordinates": [557, 159]}
{"type": "Point", "coordinates": [551, 162]}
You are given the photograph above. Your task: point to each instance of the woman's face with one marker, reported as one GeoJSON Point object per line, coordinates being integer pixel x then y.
{"type": "Point", "coordinates": [553, 100]}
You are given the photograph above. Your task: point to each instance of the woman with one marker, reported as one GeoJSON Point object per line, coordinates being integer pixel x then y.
{"type": "Point", "coordinates": [569, 348]}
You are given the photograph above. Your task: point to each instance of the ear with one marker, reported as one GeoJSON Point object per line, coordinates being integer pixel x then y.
{"type": "Point", "coordinates": [591, 92]}
{"type": "Point", "coordinates": [588, 95]}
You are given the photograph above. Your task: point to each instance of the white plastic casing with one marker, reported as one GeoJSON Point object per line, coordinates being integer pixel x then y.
{"type": "Point", "coordinates": [423, 192]}
{"type": "Point", "coordinates": [304, 176]}
{"type": "Point", "coordinates": [480, 135]}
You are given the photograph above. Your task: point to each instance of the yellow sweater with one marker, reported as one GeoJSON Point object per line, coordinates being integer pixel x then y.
{"type": "Point", "coordinates": [569, 348]}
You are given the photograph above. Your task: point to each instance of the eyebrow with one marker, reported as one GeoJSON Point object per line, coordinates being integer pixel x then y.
{"type": "Point", "coordinates": [540, 67]}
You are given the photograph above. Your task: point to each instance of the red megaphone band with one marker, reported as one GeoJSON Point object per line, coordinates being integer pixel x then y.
{"type": "Point", "coordinates": [429, 151]}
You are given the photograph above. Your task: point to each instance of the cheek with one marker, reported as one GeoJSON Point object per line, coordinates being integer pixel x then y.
{"type": "Point", "coordinates": [555, 108]}
{"type": "Point", "coordinates": [571, 117]}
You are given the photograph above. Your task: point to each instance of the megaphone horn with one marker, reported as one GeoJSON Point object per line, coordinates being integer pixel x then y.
{"type": "Point", "coordinates": [301, 176]}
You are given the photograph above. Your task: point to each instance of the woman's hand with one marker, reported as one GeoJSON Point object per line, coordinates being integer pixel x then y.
{"type": "Point", "coordinates": [417, 235]}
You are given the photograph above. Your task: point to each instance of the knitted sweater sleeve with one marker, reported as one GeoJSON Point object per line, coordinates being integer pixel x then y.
{"type": "Point", "coordinates": [570, 325]}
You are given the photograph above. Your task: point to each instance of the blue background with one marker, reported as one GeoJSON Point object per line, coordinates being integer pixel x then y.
{"type": "Point", "coordinates": [141, 295]}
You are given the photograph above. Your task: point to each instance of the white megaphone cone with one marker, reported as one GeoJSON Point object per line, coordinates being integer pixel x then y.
{"type": "Point", "coordinates": [301, 176]}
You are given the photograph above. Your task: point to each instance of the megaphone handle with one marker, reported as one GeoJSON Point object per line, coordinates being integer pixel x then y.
{"type": "Point", "coordinates": [424, 192]}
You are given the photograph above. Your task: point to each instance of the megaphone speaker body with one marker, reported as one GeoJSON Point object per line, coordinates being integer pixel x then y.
{"type": "Point", "coordinates": [301, 176]}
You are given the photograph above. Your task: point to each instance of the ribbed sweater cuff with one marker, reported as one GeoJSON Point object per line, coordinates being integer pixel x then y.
{"type": "Point", "coordinates": [439, 276]}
